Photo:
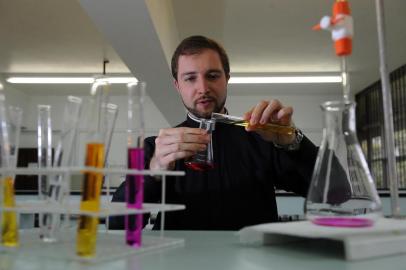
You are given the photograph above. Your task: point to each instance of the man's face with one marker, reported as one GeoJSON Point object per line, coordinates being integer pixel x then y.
{"type": "Point", "coordinates": [202, 83]}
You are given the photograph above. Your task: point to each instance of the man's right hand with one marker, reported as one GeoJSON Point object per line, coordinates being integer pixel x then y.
{"type": "Point", "coordinates": [177, 143]}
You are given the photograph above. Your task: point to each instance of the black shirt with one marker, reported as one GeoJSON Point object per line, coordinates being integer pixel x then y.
{"type": "Point", "coordinates": [239, 191]}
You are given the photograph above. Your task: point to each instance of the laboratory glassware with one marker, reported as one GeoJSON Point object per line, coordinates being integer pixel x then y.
{"type": "Point", "coordinates": [134, 193]}
{"type": "Point", "coordinates": [10, 124]}
{"type": "Point", "coordinates": [239, 121]}
{"type": "Point", "coordinates": [99, 130]}
{"type": "Point", "coordinates": [342, 192]}
{"type": "Point", "coordinates": [59, 185]}
{"type": "Point", "coordinates": [203, 160]}
{"type": "Point", "coordinates": [111, 118]}
{"type": "Point", "coordinates": [44, 142]}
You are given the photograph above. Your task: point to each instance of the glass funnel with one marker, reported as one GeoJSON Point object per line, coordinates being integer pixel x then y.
{"type": "Point", "coordinates": [342, 192]}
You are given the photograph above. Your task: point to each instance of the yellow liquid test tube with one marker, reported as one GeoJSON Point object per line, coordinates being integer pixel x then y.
{"type": "Point", "coordinates": [87, 229]}
{"type": "Point", "coordinates": [9, 226]}
{"type": "Point", "coordinates": [239, 121]}
{"type": "Point", "coordinates": [271, 127]}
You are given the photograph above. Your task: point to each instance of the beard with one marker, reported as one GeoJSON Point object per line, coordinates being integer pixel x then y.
{"type": "Point", "coordinates": [218, 107]}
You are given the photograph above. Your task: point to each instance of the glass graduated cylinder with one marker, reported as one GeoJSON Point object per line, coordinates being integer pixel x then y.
{"type": "Point", "coordinates": [342, 192]}
{"type": "Point", "coordinates": [87, 229]}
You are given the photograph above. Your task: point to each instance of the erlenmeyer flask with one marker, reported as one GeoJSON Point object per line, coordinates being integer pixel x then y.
{"type": "Point", "coordinates": [342, 192]}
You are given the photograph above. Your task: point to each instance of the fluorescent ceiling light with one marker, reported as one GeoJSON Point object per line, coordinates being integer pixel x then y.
{"type": "Point", "coordinates": [122, 80]}
{"type": "Point", "coordinates": [286, 79]}
{"type": "Point", "coordinates": [125, 80]}
{"type": "Point", "coordinates": [68, 80]}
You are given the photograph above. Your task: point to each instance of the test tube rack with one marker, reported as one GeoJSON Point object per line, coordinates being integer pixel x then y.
{"type": "Point", "coordinates": [110, 244]}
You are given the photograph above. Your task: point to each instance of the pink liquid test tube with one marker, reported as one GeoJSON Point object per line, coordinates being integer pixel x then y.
{"type": "Point", "coordinates": [134, 193]}
{"type": "Point", "coordinates": [134, 197]}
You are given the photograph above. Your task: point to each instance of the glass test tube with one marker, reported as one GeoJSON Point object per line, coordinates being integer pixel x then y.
{"type": "Point", "coordinates": [111, 118]}
{"type": "Point", "coordinates": [44, 141]}
{"type": "Point", "coordinates": [95, 157]}
{"type": "Point", "coordinates": [59, 184]}
{"type": "Point", "coordinates": [239, 121]}
{"type": "Point", "coordinates": [112, 113]}
{"type": "Point", "coordinates": [135, 159]}
{"type": "Point", "coordinates": [9, 133]}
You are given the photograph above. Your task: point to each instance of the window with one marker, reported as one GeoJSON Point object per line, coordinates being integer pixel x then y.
{"type": "Point", "coordinates": [369, 114]}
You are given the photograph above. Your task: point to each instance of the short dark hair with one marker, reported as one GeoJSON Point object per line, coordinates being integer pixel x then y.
{"type": "Point", "coordinates": [195, 45]}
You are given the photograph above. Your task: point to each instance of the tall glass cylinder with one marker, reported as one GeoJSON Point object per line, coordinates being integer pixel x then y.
{"type": "Point", "coordinates": [342, 191]}
{"type": "Point", "coordinates": [135, 159]}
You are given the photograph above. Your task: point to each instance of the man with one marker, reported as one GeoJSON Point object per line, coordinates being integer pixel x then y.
{"type": "Point", "coordinates": [248, 163]}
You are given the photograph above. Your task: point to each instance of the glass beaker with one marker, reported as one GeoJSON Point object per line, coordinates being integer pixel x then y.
{"type": "Point", "coordinates": [342, 192]}
{"type": "Point", "coordinates": [203, 160]}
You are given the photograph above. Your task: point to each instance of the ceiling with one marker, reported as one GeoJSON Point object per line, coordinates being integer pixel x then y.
{"type": "Point", "coordinates": [261, 37]}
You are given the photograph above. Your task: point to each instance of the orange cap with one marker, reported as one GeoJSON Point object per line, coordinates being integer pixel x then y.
{"type": "Point", "coordinates": [341, 7]}
{"type": "Point", "coordinates": [343, 46]}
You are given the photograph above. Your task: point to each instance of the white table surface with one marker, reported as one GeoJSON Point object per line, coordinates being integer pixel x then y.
{"type": "Point", "coordinates": [214, 250]}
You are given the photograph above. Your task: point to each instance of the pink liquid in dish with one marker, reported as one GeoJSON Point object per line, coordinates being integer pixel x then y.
{"type": "Point", "coordinates": [343, 222]}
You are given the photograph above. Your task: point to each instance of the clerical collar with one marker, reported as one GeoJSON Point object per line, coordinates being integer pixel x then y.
{"type": "Point", "coordinates": [198, 119]}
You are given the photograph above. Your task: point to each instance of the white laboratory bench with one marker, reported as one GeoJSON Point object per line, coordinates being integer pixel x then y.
{"type": "Point", "coordinates": [214, 250]}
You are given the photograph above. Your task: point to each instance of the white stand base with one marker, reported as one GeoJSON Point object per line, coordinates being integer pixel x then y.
{"type": "Point", "coordinates": [110, 246]}
{"type": "Point", "coordinates": [386, 237]}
